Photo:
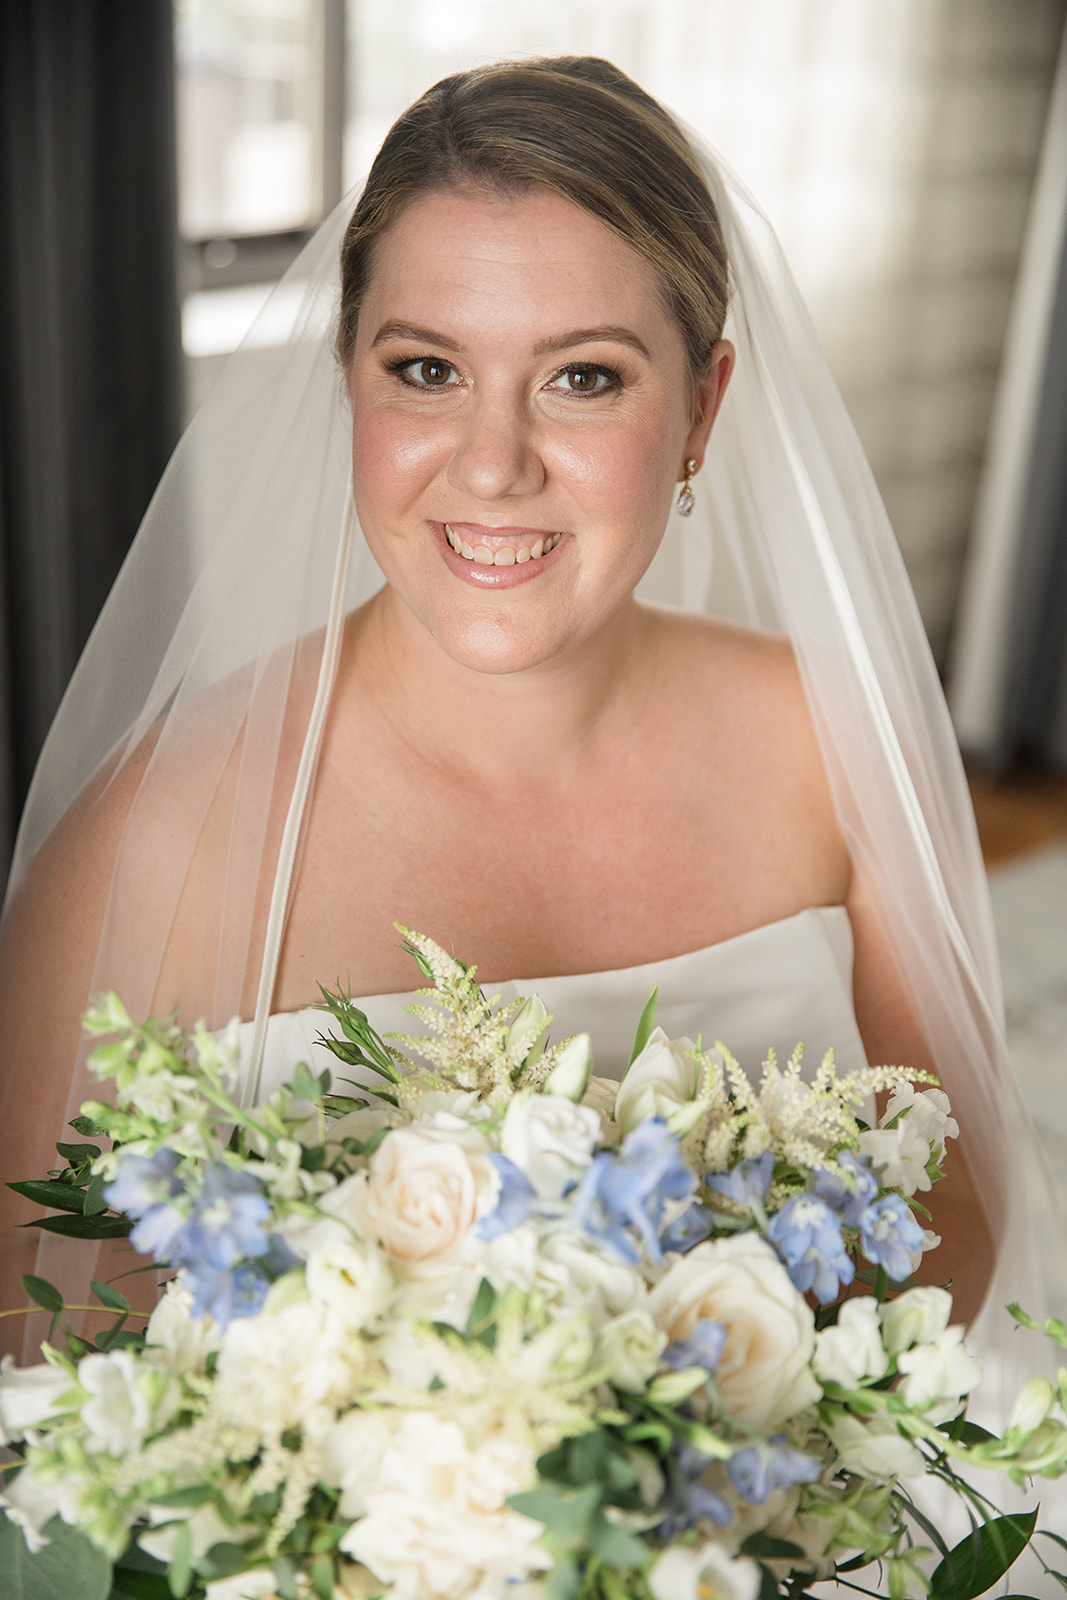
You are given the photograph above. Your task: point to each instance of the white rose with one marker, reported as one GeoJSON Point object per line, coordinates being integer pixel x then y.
{"type": "Point", "coordinates": [29, 1395]}
{"type": "Point", "coordinates": [450, 1114]}
{"type": "Point", "coordinates": [899, 1155]}
{"type": "Point", "coordinates": [175, 1340]}
{"type": "Point", "coordinates": [353, 1278]}
{"type": "Point", "coordinates": [693, 1574]}
{"type": "Point", "coordinates": [422, 1197]}
{"type": "Point", "coordinates": [938, 1375]}
{"type": "Point", "coordinates": [437, 1523]}
{"type": "Point", "coordinates": [764, 1376]}
{"type": "Point", "coordinates": [876, 1449]}
{"type": "Point", "coordinates": [258, 1584]}
{"type": "Point", "coordinates": [917, 1316]}
{"type": "Point", "coordinates": [550, 1139]}
{"type": "Point", "coordinates": [118, 1411]}
{"type": "Point", "coordinates": [630, 1347]}
{"type": "Point", "coordinates": [661, 1080]}
{"type": "Point", "coordinates": [927, 1112]}
{"type": "Point", "coordinates": [852, 1350]}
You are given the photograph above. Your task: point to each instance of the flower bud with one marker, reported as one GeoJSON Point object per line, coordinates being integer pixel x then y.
{"type": "Point", "coordinates": [671, 1388]}
{"type": "Point", "coordinates": [1032, 1405]}
{"type": "Point", "coordinates": [574, 1063]}
{"type": "Point", "coordinates": [527, 1032]}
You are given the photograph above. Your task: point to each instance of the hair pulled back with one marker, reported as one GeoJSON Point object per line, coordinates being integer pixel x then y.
{"type": "Point", "coordinates": [574, 125]}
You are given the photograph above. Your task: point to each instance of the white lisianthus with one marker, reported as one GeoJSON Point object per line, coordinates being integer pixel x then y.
{"type": "Point", "coordinates": [175, 1340]}
{"type": "Point", "coordinates": [275, 1368]}
{"type": "Point", "coordinates": [927, 1112]}
{"type": "Point", "coordinates": [206, 1528]}
{"type": "Point", "coordinates": [258, 1584]}
{"type": "Point", "coordinates": [661, 1081]}
{"type": "Point", "coordinates": [707, 1571]}
{"type": "Point", "coordinates": [764, 1376]}
{"type": "Point", "coordinates": [853, 1349]}
{"type": "Point", "coordinates": [876, 1449]}
{"type": "Point", "coordinates": [421, 1197]}
{"type": "Point", "coordinates": [579, 1279]}
{"type": "Point", "coordinates": [917, 1316]}
{"type": "Point", "coordinates": [899, 1155]}
{"type": "Point", "coordinates": [32, 1504]}
{"type": "Point", "coordinates": [437, 1523]}
{"type": "Point", "coordinates": [527, 1032]}
{"type": "Point", "coordinates": [353, 1278]}
{"type": "Point", "coordinates": [630, 1347]}
{"type": "Point", "coordinates": [118, 1412]}
{"type": "Point", "coordinates": [569, 1076]}
{"type": "Point", "coordinates": [938, 1375]}
{"type": "Point", "coordinates": [29, 1395]}
{"type": "Point", "coordinates": [551, 1139]}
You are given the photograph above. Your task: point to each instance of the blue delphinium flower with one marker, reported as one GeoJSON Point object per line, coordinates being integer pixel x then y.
{"type": "Point", "coordinates": [808, 1238]}
{"type": "Point", "coordinates": [515, 1202]}
{"type": "Point", "coordinates": [703, 1348]}
{"type": "Point", "coordinates": [688, 1501]}
{"type": "Point", "coordinates": [756, 1471]}
{"type": "Point", "coordinates": [629, 1190]}
{"type": "Point", "coordinates": [747, 1183]}
{"type": "Point", "coordinates": [890, 1236]}
{"type": "Point", "coordinates": [849, 1191]}
{"type": "Point", "coordinates": [143, 1188]}
{"type": "Point", "coordinates": [687, 1230]}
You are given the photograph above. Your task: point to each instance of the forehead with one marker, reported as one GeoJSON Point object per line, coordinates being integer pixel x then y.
{"type": "Point", "coordinates": [529, 264]}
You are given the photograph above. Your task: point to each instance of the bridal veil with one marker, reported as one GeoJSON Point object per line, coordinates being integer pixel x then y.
{"type": "Point", "coordinates": [227, 610]}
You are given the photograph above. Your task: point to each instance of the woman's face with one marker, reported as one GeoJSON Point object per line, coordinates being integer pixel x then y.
{"type": "Point", "coordinates": [521, 416]}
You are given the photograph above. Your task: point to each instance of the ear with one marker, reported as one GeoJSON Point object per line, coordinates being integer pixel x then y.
{"type": "Point", "coordinates": [709, 397]}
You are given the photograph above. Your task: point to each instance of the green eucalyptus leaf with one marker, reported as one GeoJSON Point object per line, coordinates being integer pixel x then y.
{"type": "Point", "coordinates": [763, 1547]}
{"type": "Point", "coordinates": [68, 1566]}
{"type": "Point", "coordinates": [77, 1227]}
{"type": "Point", "coordinates": [114, 1299]}
{"type": "Point", "coordinates": [975, 1564]}
{"type": "Point", "coordinates": [51, 1192]}
{"type": "Point", "coordinates": [78, 1154]}
{"type": "Point", "coordinates": [94, 1195]}
{"type": "Point", "coordinates": [42, 1293]}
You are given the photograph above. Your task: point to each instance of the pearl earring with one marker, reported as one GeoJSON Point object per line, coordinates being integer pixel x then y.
{"type": "Point", "coordinates": [685, 493]}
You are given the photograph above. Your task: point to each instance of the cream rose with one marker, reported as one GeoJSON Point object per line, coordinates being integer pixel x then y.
{"type": "Point", "coordinates": [422, 1197]}
{"type": "Point", "coordinates": [764, 1376]}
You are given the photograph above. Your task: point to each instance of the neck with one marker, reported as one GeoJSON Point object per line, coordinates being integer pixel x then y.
{"type": "Point", "coordinates": [507, 726]}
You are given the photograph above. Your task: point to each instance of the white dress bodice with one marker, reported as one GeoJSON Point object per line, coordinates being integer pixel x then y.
{"type": "Point", "coordinates": [778, 985]}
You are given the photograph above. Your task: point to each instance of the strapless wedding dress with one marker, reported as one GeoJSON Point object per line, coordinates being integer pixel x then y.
{"type": "Point", "coordinates": [778, 985]}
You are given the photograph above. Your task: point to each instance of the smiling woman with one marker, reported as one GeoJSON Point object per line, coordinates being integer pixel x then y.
{"type": "Point", "coordinates": [508, 749]}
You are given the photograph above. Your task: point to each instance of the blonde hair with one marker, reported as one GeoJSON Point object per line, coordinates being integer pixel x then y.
{"type": "Point", "coordinates": [574, 125]}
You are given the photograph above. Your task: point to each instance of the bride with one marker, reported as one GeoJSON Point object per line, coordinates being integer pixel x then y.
{"type": "Point", "coordinates": [268, 756]}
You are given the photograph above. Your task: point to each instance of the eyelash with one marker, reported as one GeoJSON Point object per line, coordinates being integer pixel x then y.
{"type": "Point", "coordinates": [399, 366]}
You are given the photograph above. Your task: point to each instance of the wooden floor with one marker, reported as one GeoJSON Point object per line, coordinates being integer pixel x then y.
{"type": "Point", "coordinates": [1019, 813]}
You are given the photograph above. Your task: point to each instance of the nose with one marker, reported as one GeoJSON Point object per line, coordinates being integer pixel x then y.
{"type": "Point", "coordinates": [496, 454]}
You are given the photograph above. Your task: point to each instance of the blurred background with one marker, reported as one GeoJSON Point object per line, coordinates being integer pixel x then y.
{"type": "Point", "coordinates": [162, 163]}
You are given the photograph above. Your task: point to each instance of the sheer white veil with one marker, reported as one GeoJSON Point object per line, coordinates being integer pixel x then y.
{"type": "Point", "coordinates": [221, 620]}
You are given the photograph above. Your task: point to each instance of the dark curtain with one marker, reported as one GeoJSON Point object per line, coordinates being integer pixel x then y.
{"type": "Point", "coordinates": [1035, 706]}
{"type": "Point", "coordinates": [90, 373]}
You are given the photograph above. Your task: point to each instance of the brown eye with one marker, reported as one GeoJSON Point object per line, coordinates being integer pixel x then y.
{"type": "Point", "coordinates": [435, 373]}
{"type": "Point", "coordinates": [583, 380]}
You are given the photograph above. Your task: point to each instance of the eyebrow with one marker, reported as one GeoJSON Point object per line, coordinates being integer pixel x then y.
{"type": "Point", "coordinates": [608, 333]}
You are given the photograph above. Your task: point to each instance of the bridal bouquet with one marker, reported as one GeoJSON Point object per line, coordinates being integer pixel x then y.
{"type": "Point", "coordinates": [492, 1326]}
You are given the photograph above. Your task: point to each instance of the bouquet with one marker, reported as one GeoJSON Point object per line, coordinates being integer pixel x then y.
{"type": "Point", "coordinates": [490, 1326]}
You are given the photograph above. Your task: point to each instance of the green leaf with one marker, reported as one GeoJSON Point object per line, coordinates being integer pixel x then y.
{"type": "Point", "coordinates": [66, 1567]}
{"type": "Point", "coordinates": [303, 1084]}
{"type": "Point", "coordinates": [564, 1580]}
{"type": "Point", "coordinates": [94, 1195]}
{"type": "Point", "coordinates": [322, 1577]}
{"type": "Point", "coordinates": [42, 1293]}
{"type": "Point", "coordinates": [73, 1227]}
{"type": "Point", "coordinates": [565, 1515]}
{"type": "Point", "coordinates": [114, 1299]}
{"type": "Point", "coordinates": [78, 1154]}
{"type": "Point", "coordinates": [285, 1578]}
{"type": "Point", "coordinates": [614, 1545]}
{"type": "Point", "coordinates": [763, 1547]}
{"type": "Point", "coordinates": [51, 1192]}
{"type": "Point", "coordinates": [129, 1583]}
{"type": "Point", "coordinates": [180, 1572]}
{"type": "Point", "coordinates": [975, 1564]}
{"type": "Point", "coordinates": [87, 1127]}
{"type": "Point", "coordinates": [768, 1584]}
{"type": "Point", "coordinates": [965, 1432]}
{"type": "Point", "coordinates": [481, 1311]}
{"type": "Point", "coordinates": [645, 1023]}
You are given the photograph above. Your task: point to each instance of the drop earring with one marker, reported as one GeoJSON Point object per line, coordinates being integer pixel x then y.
{"type": "Point", "coordinates": [685, 493]}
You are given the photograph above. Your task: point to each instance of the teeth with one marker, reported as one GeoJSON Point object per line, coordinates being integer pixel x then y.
{"type": "Point", "coordinates": [505, 556]}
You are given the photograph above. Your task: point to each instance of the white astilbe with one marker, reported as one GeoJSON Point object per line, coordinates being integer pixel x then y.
{"type": "Point", "coordinates": [469, 1042]}
{"type": "Point", "coordinates": [799, 1121]}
